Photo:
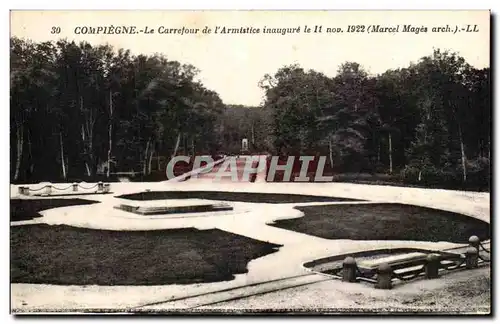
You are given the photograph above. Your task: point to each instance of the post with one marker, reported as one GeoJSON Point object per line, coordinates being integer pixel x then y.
{"type": "Point", "coordinates": [107, 188]}
{"type": "Point", "coordinates": [384, 276]}
{"type": "Point", "coordinates": [75, 186]}
{"type": "Point", "coordinates": [471, 256]}
{"type": "Point", "coordinates": [20, 190]}
{"type": "Point", "coordinates": [474, 242]}
{"type": "Point", "coordinates": [432, 263]}
{"type": "Point", "coordinates": [48, 189]}
{"type": "Point", "coordinates": [244, 146]}
{"type": "Point", "coordinates": [349, 270]}
{"type": "Point", "coordinates": [100, 186]}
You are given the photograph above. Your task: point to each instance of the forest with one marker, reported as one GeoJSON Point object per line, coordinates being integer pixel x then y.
{"type": "Point", "coordinates": [80, 111]}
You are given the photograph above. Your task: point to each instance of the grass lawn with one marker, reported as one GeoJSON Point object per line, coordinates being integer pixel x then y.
{"type": "Point", "coordinates": [76, 256]}
{"type": "Point", "coordinates": [25, 209]}
{"type": "Point", "coordinates": [251, 197]}
{"type": "Point", "coordinates": [385, 222]}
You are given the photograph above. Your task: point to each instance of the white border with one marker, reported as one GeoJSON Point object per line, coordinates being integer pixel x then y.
{"type": "Point", "coordinates": [186, 5]}
{"type": "Point", "coordinates": [256, 4]}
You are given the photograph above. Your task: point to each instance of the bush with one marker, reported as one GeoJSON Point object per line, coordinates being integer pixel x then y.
{"type": "Point", "coordinates": [428, 176]}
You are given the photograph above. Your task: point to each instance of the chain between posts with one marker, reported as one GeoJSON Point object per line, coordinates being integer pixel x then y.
{"type": "Point", "coordinates": [483, 258]}
{"type": "Point", "coordinates": [483, 248]}
{"type": "Point", "coordinates": [335, 272]}
{"type": "Point", "coordinates": [456, 265]}
{"type": "Point", "coordinates": [61, 189]}
{"type": "Point", "coordinates": [407, 278]}
{"type": "Point", "coordinates": [38, 188]}
{"type": "Point", "coordinates": [368, 274]}
{"type": "Point", "coordinates": [88, 188]}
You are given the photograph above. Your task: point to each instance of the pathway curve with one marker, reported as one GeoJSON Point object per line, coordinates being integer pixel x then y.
{"type": "Point", "coordinates": [249, 220]}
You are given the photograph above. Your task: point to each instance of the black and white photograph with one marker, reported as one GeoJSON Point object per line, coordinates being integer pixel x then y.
{"type": "Point", "coordinates": [248, 162]}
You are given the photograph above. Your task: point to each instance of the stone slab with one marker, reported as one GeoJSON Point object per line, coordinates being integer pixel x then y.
{"type": "Point", "coordinates": [162, 207]}
{"type": "Point", "coordinates": [373, 263]}
{"type": "Point", "coordinates": [170, 203]}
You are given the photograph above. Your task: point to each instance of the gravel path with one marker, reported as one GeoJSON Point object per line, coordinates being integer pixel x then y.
{"type": "Point", "coordinates": [461, 291]}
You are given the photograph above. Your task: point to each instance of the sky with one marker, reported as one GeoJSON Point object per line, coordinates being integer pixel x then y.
{"type": "Point", "coordinates": [233, 64]}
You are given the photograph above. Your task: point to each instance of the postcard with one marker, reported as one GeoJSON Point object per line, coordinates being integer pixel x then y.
{"type": "Point", "coordinates": [250, 162]}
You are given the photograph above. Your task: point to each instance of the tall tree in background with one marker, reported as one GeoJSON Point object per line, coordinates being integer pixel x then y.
{"type": "Point", "coordinates": [77, 110]}
{"type": "Point", "coordinates": [430, 120]}
{"type": "Point", "coordinates": [91, 108]}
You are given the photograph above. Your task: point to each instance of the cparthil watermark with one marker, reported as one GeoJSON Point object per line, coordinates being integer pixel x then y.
{"type": "Point", "coordinates": [302, 168]}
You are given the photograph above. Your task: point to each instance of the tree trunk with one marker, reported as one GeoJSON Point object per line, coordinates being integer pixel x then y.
{"type": "Point", "coordinates": [150, 159]}
{"type": "Point", "coordinates": [378, 150]}
{"type": "Point", "coordinates": [110, 130]}
{"type": "Point", "coordinates": [63, 166]}
{"type": "Point", "coordinates": [177, 143]}
{"type": "Point", "coordinates": [145, 161]}
{"type": "Point", "coordinates": [90, 154]}
{"type": "Point", "coordinates": [88, 169]}
{"type": "Point", "coordinates": [185, 143]}
{"type": "Point", "coordinates": [330, 151]}
{"type": "Point", "coordinates": [390, 153]}
{"type": "Point", "coordinates": [30, 153]}
{"type": "Point", "coordinates": [87, 140]}
{"type": "Point", "coordinates": [253, 136]}
{"type": "Point", "coordinates": [489, 148]}
{"type": "Point", "coordinates": [462, 150]}
{"type": "Point", "coordinates": [192, 147]}
{"type": "Point", "coordinates": [86, 157]}
{"type": "Point", "coordinates": [20, 140]}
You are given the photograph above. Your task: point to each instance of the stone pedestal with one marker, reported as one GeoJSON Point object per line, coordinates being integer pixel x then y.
{"type": "Point", "coordinates": [474, 242]}
{"type": "Point", "coordinates": [384, 276]}
{"type": "Point", "coordinates": [471, 257]}
{"type": "Point", "coordinates": [432, 263]}
{"type": "Point", "coordinates": [349, 270]}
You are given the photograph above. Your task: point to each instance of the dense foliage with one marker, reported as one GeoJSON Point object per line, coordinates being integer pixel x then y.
{"type": "Point", "coordinates": [428, 123]}
{"type": "Point", "coordinates": [78, 110]}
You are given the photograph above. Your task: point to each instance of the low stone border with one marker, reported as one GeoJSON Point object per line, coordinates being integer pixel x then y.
{"type": "Point", "coordinates": [382, 275]}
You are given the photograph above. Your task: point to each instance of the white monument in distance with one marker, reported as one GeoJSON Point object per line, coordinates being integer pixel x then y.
{"type": "Point", "coordinates": [244, 144]}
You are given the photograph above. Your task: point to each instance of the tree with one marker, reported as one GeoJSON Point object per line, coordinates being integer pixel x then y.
{"type": "Point", "coordinates": [100, 106]}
